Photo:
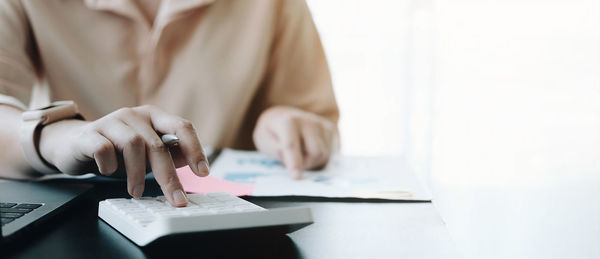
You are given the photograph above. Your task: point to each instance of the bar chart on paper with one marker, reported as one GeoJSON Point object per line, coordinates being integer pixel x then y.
{"type": "Point", "coordinates": [254, 174]}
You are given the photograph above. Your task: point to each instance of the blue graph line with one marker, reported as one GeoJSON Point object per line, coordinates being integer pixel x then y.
{"type": "Point", "coordinates": [243, 177]}
{"type": "Point", "coordinates": [267, 163]}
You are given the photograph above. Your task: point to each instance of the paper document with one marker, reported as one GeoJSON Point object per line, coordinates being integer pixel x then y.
{"type": "Point", "coordinates": [256, 174]}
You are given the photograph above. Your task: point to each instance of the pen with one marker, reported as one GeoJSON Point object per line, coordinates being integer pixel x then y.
{"type": "Point", "coordinates": [169, 139]}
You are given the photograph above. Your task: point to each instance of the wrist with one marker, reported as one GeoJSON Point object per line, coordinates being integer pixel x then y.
{"type": "Point", "coordinates": [33, 121]}
{"type": "Point", "coordinates": [54, 137]}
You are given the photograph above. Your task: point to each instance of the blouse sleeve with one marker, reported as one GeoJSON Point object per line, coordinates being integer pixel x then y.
{"type": "Point", "coordinates": [17, 72]}
{"type": "Point", "coordinates": [297, 74]}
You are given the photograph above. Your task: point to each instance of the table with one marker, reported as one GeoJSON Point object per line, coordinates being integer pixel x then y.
{"type": "Point", "coordinates": [342, 229]}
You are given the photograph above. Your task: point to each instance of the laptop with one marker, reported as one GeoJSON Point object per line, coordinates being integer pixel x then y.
{"type": "Point", "coordinates": [24, 205]}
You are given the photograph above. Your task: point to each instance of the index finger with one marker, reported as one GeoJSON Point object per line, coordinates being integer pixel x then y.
{"type": "Point", "coordinates": [165, 174]}
{"type": "Point", "coordinates": [189, 143]}
{"type": "Point", "coordinates": [291, 148]}
{"type": "Point", "coordinates": [160, 161]}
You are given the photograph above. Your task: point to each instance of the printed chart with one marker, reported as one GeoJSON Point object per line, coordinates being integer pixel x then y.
{"type": "Point", "coordinates": [255, 174]}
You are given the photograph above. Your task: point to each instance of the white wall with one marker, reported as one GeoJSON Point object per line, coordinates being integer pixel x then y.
{"type": "Point", "coordinates": [516, 163]}
{"type": "Point", "coordinates": [515, 146]}
{"type": "Point", "coordinates": [368, 52]}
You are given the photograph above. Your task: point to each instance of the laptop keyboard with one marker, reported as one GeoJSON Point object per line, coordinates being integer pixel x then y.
{"type": "Point", "coordinates": [10, 211]}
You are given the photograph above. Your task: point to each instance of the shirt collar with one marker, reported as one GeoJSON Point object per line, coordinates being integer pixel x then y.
{"type": "Point", "coordinates": [167, 10]}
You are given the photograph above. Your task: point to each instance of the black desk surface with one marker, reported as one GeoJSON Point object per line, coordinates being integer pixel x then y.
{"type": "Point", "coordinates": [342, 229]}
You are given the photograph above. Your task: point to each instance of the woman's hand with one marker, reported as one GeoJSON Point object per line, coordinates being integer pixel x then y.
{"type": "Point", "coordinates": [299, 139]}
{"type": "Point", "coordinates": [127, 142]}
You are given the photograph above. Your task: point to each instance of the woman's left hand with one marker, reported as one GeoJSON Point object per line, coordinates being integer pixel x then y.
{"type": "Point", "coordinates": [299, 139]}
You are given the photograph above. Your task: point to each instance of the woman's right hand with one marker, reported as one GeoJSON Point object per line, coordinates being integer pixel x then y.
{"type": "Point", "coordinates": [127, 142]}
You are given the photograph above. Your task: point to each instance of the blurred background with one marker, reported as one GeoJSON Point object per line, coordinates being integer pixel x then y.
{"type": "Point", "coordinates": [495, 103]}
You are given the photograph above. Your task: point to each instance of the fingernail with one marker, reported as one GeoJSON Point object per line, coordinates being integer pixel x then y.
{"type": "Point", "coordinates": [203, 167]}
{"type": "Point", "coordinates": [138, 191]}
{"type": "Point", "coordinates": [179, 197]}
{"type": "Point", "coordinates": [297, 174]}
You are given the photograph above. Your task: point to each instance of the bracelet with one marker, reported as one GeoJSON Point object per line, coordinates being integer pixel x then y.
{"type": "Point", "coordinates": [31, 127]}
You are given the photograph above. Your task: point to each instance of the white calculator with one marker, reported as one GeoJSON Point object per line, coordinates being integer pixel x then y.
{"type": "Point", "coordinates": [147, 219]}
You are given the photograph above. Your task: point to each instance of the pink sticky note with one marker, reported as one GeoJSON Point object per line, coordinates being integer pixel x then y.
{"type": "Point", "coordinates": [195, 184]}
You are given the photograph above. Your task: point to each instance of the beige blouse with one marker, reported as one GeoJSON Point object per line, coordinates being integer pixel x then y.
{"type": "Point", "coordinates": [218, 63]}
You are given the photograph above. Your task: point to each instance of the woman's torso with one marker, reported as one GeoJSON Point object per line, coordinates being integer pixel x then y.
{"type": "Point", "coordinates": [200, 60]}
